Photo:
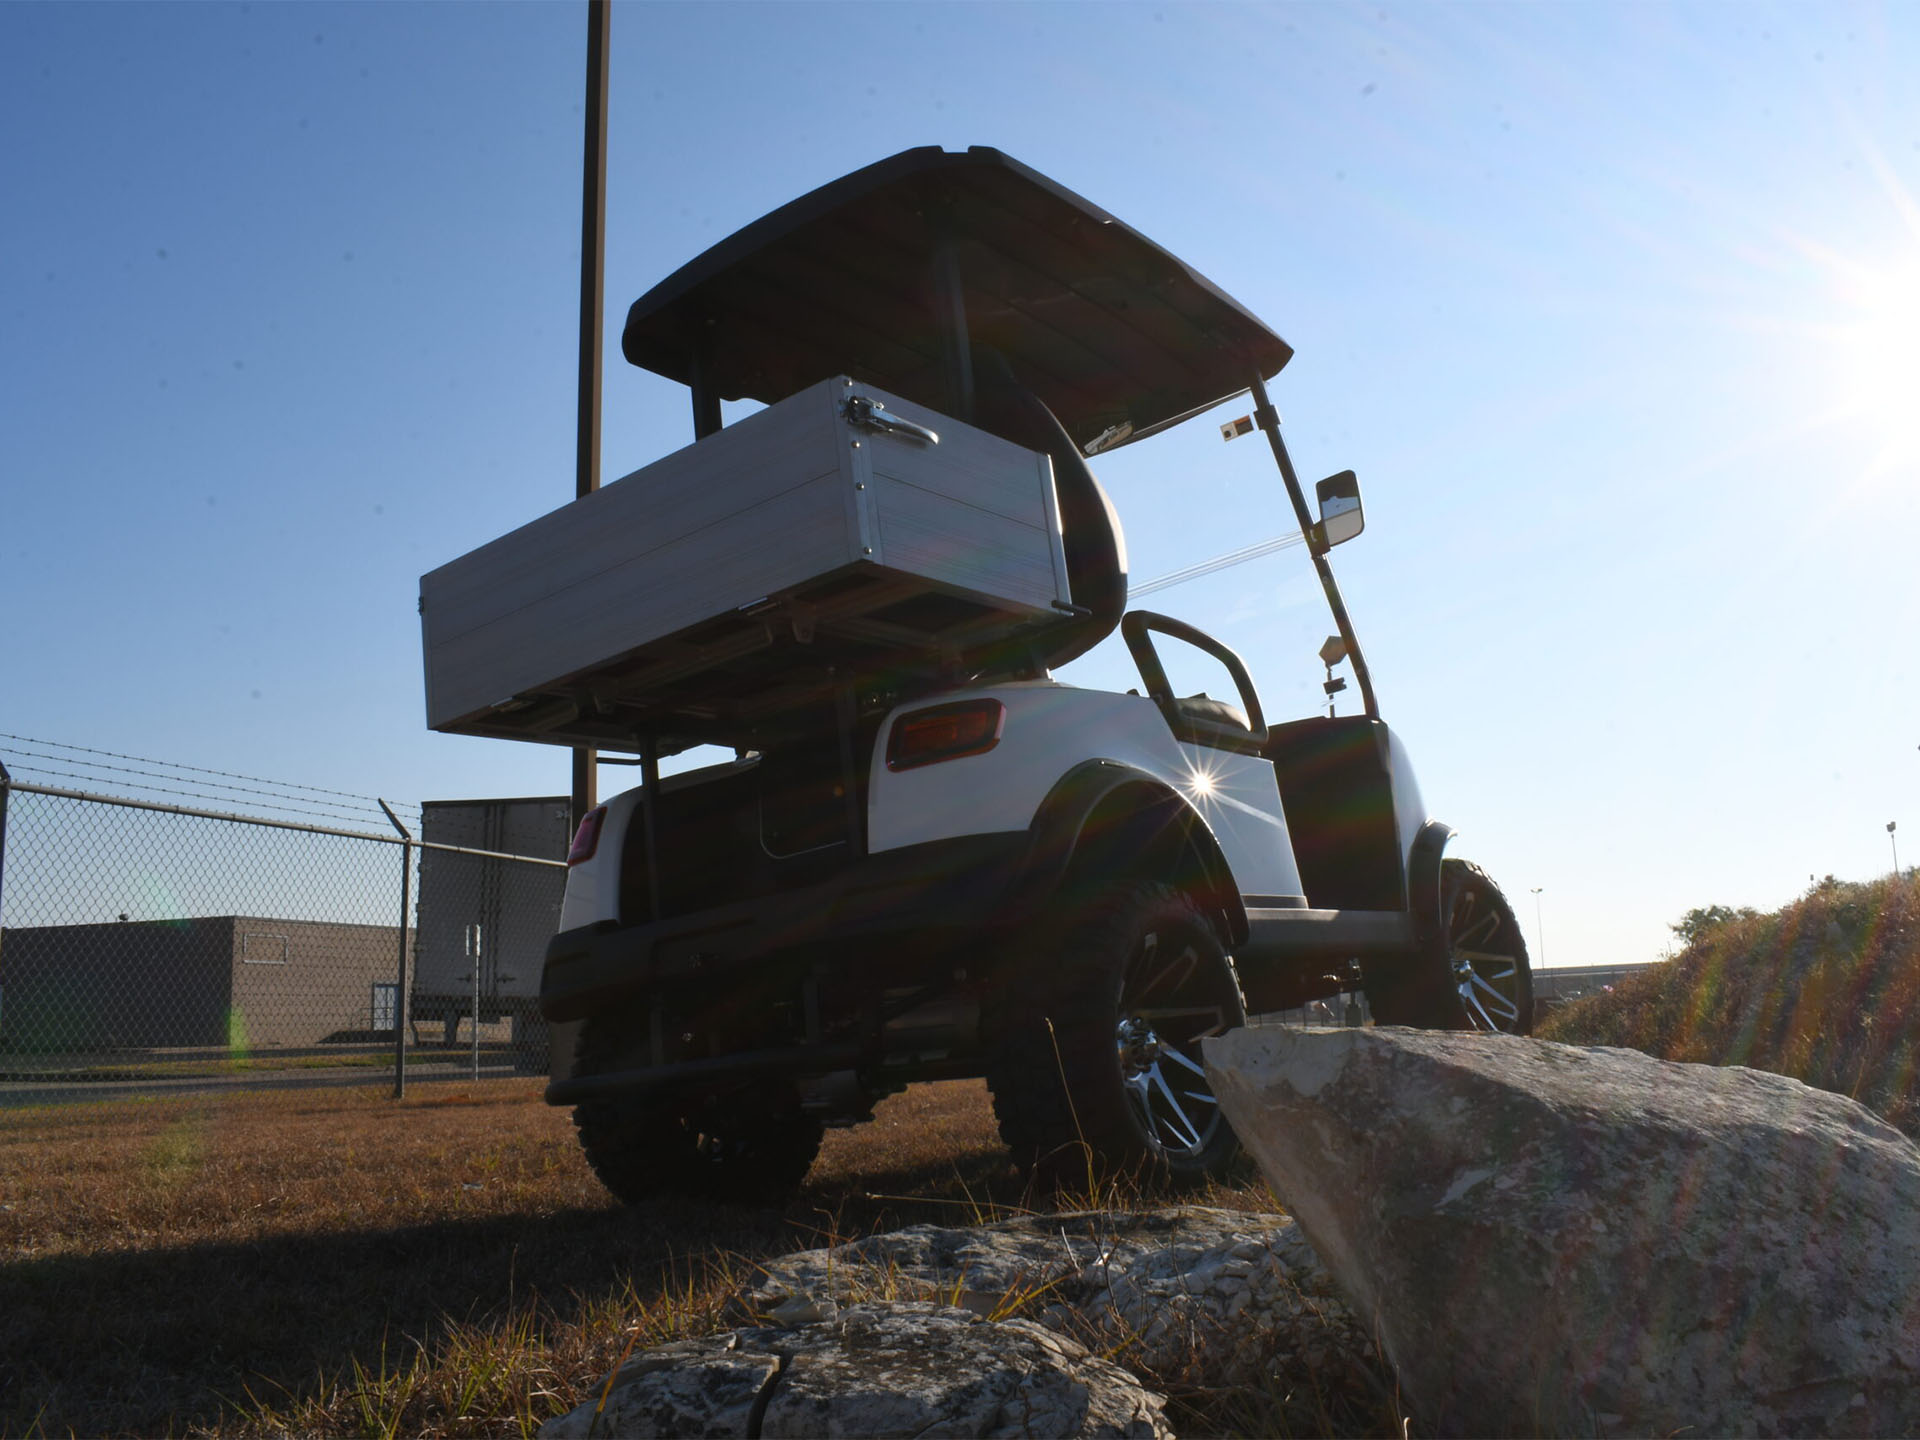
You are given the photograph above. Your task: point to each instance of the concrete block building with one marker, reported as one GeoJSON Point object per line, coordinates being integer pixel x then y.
{"type": "Point", "coordinates": [235, 981]}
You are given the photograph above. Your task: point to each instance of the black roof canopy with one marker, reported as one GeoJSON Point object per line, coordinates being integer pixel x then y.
{"type": "Point", "coordinates": [1103, 325]}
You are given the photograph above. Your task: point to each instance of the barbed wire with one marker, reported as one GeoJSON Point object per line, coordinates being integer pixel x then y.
{"type": "Point", "coordinates": [316, 807]}
{"type": "Point", "coordinates": [42, 770]}
{"type": "Point", "coordinates": [280, 785]}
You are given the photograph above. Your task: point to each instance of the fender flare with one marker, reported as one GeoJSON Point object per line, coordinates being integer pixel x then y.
{"type": "Point", "coordinates": [1423, 881]}
{"type": "Point", "coordinates": [1060, 836]}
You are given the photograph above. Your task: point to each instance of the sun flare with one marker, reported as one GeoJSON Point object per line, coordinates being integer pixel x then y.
{"type": "Point", "coordinates": [1873, 367]}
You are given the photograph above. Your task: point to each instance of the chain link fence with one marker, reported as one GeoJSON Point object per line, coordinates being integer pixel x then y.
{"type": "Point", "coordinates": [151, 949]}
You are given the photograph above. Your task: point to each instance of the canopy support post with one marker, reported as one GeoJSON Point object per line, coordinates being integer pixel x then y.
{"type": "Point", "coordinates": [950, 317]}
{"type": "Point", "coordinates": [706, 399]}
{"type": "Point", "coordinates": [1268, 419]}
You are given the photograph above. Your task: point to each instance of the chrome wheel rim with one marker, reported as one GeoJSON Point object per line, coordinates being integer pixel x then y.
{"type": "Point", "coordinates": [1157, 1046]}
{"type": "Point", "coordinates": [1486, 978]}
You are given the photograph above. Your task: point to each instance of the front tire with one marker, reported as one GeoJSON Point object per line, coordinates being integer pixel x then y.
{"type": "Point", "coordinates": [1094, 1047]}
{"type": "Point", "coordinates": [1476, 977]}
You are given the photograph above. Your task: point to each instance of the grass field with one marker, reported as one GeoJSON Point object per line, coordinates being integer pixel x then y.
{"type": "Point", "coordinates": [339, 1263]}
{"type": "Point", "coordinates": [331, 1262]}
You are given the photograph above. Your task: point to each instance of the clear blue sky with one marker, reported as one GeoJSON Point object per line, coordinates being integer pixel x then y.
{"type": "Point", "coordinates": [1614, 308]}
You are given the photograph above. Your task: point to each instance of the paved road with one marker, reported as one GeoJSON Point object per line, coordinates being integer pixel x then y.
{"type": "Point", "coordinates": [22, 1094]}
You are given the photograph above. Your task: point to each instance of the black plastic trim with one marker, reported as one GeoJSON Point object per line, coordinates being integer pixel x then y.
{"type": "Point", "coordinates": [943, 889]}
{"type": "Point", "coordinates": [944, 884]}
{"type": "Point", "coordinates": [1288, 934]}
{"type": "Point", "coordinates": [820, 1058]}
{"type": "Point", "coordinates": [1338, 791]}
{"type": "Point", "coordinates": [1423, 880]}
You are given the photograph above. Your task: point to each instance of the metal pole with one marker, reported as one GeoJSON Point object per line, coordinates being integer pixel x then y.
{"type": "Point", "coordinates": [593, 230]}
{"type": "Point", "coordinates": [700, 385]}
{"type": "Point", "coordinates": [950, 321]}
{"type": "Point", "coordinates": [6, 789]}
{"type": "Point", "coordinates": [847, 715]}
{"type": "Point", "coordinates": [1890, 840]}
{"type": "Point", "coordinates": [479, 939]}
{"type": "Point", "coordinates": [1268, 419]}
{"type": "Point", "coordinates": [400, 997]}
{"type": "Point", "coordinates": [649, 821]}
{"type": "Point", "coordinates": [1539, 925]}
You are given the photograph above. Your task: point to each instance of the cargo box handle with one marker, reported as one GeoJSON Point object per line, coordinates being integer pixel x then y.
{"type": "Point", "coordinates": [862, 411]}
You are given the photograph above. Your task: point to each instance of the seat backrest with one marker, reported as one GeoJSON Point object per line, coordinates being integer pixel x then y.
{"type": "Point", "coordinates": [1205, 708]}
{"type": "Point", "coordinates": [1096, 549]}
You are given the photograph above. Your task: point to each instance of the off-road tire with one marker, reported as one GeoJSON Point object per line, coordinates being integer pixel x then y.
{"type": "Point", "coordinates": [644, 1147]}
{"type": "Point", "coordinates": [1081, 1035]}
{"type": "Point", "coordinates": [1474, 977]}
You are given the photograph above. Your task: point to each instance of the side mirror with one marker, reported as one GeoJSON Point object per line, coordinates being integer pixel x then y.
{"type": "Point", "coordinates": [1341, 517]}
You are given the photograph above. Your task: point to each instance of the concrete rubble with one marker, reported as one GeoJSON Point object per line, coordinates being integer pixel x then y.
{"type": "Point", "coordinates": [1181, 1292]}
{"type": "Point", "coordinates": [874, 1368]}
{"type": "Point", "coordinates": [1559, 1240]}
{"type": "Point", "coordinates": [1543, 1239]}
{"type": "Point", "coordinates": [1185, 1294]}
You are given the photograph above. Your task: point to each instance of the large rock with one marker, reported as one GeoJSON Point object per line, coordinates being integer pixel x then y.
{"type": "Point", "coordinates": [873, 1369]}
{"type": "Point", "coordinates": [1193, 1294]}
{"type": "Point", "coordinates": [1577, 1241]}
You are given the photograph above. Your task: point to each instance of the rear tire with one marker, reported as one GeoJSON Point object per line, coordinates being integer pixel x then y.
{"type": "Point", "coordinates": [747, 1147]}
{"type": "Point", "coordinates": [1094, 1045]}
{"type": "Point", "coordinates": [1475, 977]}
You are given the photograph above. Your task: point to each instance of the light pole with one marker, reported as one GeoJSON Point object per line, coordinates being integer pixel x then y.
{"type": "Point", "coordinates": [593, 231]}
{"type": "Point", "coordinates": [1539, 926]}
{"type": "Point", "coordinates": [1896, 850]}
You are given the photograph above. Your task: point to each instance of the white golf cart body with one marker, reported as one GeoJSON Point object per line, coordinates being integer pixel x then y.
{"type": "Point", "coordinates": [1050, 729]}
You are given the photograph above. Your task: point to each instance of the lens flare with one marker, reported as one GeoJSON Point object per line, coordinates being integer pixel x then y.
{"type": "Point", "coordinates": [1201, 783]}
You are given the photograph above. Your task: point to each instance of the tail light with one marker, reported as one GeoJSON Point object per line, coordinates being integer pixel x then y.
{"type": "Point", "coordinates": [587, 838]}
{"type": "Point", "coordinates": [945, 732]}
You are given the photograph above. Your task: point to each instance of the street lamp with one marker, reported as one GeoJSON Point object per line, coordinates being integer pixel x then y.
{"type": "Point", "coordinates": [1539, 927]}
{"type": "Point", "coordinates": [1896, 850]}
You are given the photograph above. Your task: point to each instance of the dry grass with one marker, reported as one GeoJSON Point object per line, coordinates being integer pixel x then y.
{"type": "Point", "coordinates": [1826, 990]}
{"type": "Point", "coordinates": [336, 1263]}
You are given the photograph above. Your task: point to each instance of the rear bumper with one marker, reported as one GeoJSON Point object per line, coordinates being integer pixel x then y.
{"type": "Point", "coordinates": [753, 1064]}
{"type": "Point", "coordinates": [956, 885]}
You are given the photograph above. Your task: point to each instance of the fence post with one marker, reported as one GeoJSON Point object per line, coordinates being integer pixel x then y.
{"type": "Point", "coordinates": [479, 939]}
{"type": "Point", "coordinates": [6, 789]}
{"type": "Point", "coordinates": [401, 999]}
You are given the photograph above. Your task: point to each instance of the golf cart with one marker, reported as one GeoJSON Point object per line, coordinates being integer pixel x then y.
{"type": "Point", "coordinates": [927, 858]}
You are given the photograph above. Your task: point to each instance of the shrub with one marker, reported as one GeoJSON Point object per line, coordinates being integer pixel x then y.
{"type": "Point", "coordinates": [1826, 989]}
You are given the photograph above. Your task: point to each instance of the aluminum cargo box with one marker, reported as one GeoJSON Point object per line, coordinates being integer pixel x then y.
{"type": "Point", "coordinates": [688, 597]}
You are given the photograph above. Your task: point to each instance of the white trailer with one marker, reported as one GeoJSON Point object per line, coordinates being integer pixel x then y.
{"type": "Point", "coordinates": [484, 923]}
